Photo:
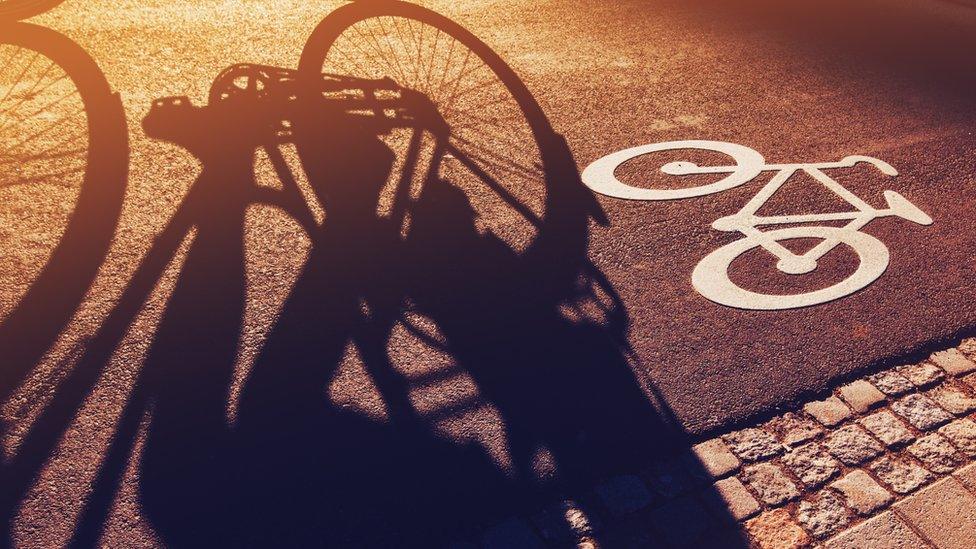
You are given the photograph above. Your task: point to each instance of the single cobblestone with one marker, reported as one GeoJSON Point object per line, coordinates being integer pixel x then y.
{"type": "Point", "coordinates": [693, 468]}
{"type": "Point", "coordinates": [776, 529]}
{"type": "Point", "coordinates": [953, 400]}
{"type": "Point", "coordinates": [861, 396]}
{"type": "Point", "coordinates": [887, 428]}
{"type": "Point", "coordinates": [901, 475]}
{"type": "Point", "coordinates": [792, 429]}
{"type": "Point", "coordinates": [829, 412]}
{"type": "Point", "coordinates": [823, 516]}
{"type": "Point", "coordinates": [753, 444]}
{"type": "Point", "coordinates": [564, 521]}
{"type": "Point", "coordinates": [921, 412]}
{"type": "Point", "coordinates": [716, 458]}
{"type": "Point", "coordinates": [623, 495]}
{"type": "Point", "coordinates": [936, 453]}
{"type": "Point", "coordinates": [863, 494]}
{"type": "Point", "coordinates": [729, 496]}
{"type": "Point", "coordinates": [922, 375]}
{"type": "Point", "coordinates": [968, 346]}
{"type": "Point", "coordinates": [891, 383]}
{"type": "Point", "coordinates": [769, 481]}
{"type": "Point", "coordinates": [967, 476]}
{"type": "Point", "coordinates": [852, 445]}
{"type": "Point", "coordinates": [812, 464]}
{"type": "Point", "coordinates": [953, 362]}
{"type": "Point", "coordinates": [885, 531]}
{"type": "Point", "coordinates": [962, 434]}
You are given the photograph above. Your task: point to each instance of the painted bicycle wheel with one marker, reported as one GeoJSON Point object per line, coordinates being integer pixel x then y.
{"type": "Point", "coordinates": [600, 176]}
{"type": "Point", "coordinates": [711, 275]}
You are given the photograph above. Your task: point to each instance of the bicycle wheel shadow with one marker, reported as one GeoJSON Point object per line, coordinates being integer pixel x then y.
{"type": "Point", "coordinates": [45, 308]}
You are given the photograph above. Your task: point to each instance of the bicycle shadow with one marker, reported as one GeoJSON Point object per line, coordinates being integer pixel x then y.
{"type": "Point", "coordinates": [295, 469]}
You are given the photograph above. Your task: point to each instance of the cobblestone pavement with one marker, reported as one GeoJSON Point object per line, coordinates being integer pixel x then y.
{"type": "Point", "coordinates": [888, 460]}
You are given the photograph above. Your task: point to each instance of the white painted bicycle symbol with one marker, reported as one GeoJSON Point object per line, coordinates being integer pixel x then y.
{"type": "Point", "coordinates": [711, 275]}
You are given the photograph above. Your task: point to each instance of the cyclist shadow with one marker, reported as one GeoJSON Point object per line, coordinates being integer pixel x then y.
{"type": "Point", "coordinates": [295, 469]}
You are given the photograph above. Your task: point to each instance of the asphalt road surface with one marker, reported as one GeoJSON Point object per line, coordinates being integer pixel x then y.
{"type": "Point", "coordinates": [246, 386]}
